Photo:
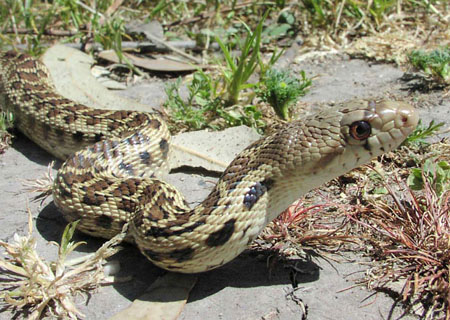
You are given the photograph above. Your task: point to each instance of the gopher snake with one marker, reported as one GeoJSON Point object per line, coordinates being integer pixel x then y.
{"type": "Point", "coordinates": [111, 181]}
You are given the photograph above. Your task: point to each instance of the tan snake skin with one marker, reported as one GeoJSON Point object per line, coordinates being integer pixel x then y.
{"type": "Point", "coordinates": [111, 181]}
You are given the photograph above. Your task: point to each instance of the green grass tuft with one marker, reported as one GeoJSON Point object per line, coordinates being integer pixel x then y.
{"type": "Point", "coordinates": [435, 63]}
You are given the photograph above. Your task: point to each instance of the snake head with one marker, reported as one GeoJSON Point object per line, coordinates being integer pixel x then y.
{"type": "Point", "coordinates": [370, 128]}
{"type": "Point", "coordinates": [309, 152]}
{"type": "Point", "coordinates": [338, 139]}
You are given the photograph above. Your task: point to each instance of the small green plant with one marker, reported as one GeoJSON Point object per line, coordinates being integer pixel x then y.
{"type": "Point", "coordinates": [248, 115]}
{"type": "Point", "coordinates": [110, 33]}
{"type": "Point", "coordinates": [6, 122]}
{"type": "Point", "coordinates": [281, 89]}
{"type": "Point", "coordinates": [203, 104]}
{"type": "Point", "coordinates": [379, 8]}
{"type": "Point", "coordinates": [418, 136]}
{"type": "Point", "coordinates": [240, 69]}
{"type": "Point", "coordinates": [317, 9]}
{"type": "Point", "coordinates": [437, 173]}
{"type": "Point", "coordinates": [200, 100]}
{"type": "Point", "coordinates": [435, 63]}
{"type": "Point", "coordinates": [284, 27]}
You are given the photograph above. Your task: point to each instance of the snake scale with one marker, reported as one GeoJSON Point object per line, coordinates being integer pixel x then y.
{"type": "Point", "coordinates": [114, 157]}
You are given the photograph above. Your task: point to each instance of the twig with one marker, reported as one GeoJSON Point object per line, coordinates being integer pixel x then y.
{"type": "Point", "coordinates": [180, 52]}
{"type": "Point", "coordinates": [433, 9]}
{"type": "Point", "coordinates": [49, 32]}
{"type": "Point", "coordinates": [94, 11]}
{"type": "Point", "coordinates": [338, 18]}
{"type": "Point", "coordinates": [211, 14]}
{"type": "Point", "coordinates": [113, 7]}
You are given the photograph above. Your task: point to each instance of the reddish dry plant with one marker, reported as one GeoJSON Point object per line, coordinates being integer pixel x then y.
{"type": "Point", "coordinates": [301, 225]}
{"type": "Point", "coordinates": [293, 217]}
{"type": "Point", "coordinates": [410, 238]}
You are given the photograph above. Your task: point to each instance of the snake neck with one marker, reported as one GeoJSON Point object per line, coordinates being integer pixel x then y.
{"type": "Point", "coordinates": [258, 185]}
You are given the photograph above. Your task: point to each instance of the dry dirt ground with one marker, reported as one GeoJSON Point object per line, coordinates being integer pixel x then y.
{"type": "Point", "coordinates": [244, 288]}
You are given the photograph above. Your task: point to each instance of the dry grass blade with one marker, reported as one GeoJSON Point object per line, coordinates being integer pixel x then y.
{"type": "Point", "coordinates": [33, 286]}
{"type": "Point", "coordinates": [410, 239]}
{"type": "Point", "coordinates": [41, 185]}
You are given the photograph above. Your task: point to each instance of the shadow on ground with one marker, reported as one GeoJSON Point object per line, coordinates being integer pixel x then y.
{"type": "Point", "coordinates": [248, 270]}
{"type": "Point", "coordinates": [31, 151]}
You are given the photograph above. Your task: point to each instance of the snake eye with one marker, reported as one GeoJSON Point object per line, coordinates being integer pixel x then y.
{"type": "Point", "coordinates": [360, 130]}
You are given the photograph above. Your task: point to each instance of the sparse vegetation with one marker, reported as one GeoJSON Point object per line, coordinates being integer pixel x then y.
{"type": "Point", "coordinates": [238, 70]}
{"type": "Point", "coordinates": [435, 63]}
{"type": "Point", "coordinates": [33, 22]}
{"type": "Point", "coordinates": [205, 102]}
{"type": "Point", "coordinates": [200, 101]}
{"type": "Point", "coordinates": [328, 22]}
{"type": "Point", "coordinates": [6, 122]}
{"type": "Point", "coordinates": [38, 286]}
{"type": "Point", "coordinates": [405, 229]}
{"type": "Point", "coordinates": [204, 109]}
{"type": "Point", "coordinates": [436, 173]}
{"type": "Point", "coordinates": [409, 239]}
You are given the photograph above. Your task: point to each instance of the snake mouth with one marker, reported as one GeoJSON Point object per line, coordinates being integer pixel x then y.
{"type": "Point", "coordinates": [398, 115]}
{"type": "Point", "coordinates": [407, 118]}
{"type": "Point", "coordinates": [393, 122]}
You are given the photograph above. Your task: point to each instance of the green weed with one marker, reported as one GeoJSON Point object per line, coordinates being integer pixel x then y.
{"type": "Point", "coordinates": [419, 135]}
{"type": "Point", "coordinates": [284, 27]}
{"type": "Point", "coordinates": [437, 174]}
{"type": "Point", "coordinates": [193, 111]}
{"type": "Point", "coordinates": [380, 8]}
{"type": "Point", "coordinates": [435, 63]}
{"type": "Point", "coordinates": [203, 104]}
{"type": "Point", "coordinates": [248, 115]}
{"type": "Point", "coordinates": [280, 89]}
{"type": "Point", "coordinates": [205, 100]}
{"type": "Point", "coordinates": [317, 9]}
{"type": "Point", "coordinates": [6, 121]}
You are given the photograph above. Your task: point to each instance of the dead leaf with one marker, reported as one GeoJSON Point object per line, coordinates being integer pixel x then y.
{"type": "Point", "coordinates": [160, 64]}
{"type": "Point", "coordinates": [71, 73]}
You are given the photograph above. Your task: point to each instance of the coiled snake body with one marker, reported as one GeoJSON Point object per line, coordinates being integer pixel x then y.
{"type": "Point", "coordinates": [110, 179]}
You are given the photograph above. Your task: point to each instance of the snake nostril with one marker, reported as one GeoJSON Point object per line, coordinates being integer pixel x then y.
{"type": "Point", "coordinates": [404, 119]}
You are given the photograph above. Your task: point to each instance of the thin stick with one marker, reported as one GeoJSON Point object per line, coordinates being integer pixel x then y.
{"type": "Point", "coordinates": [180, 52]}
{"type": "Point", "coordinates": [50, 32]}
